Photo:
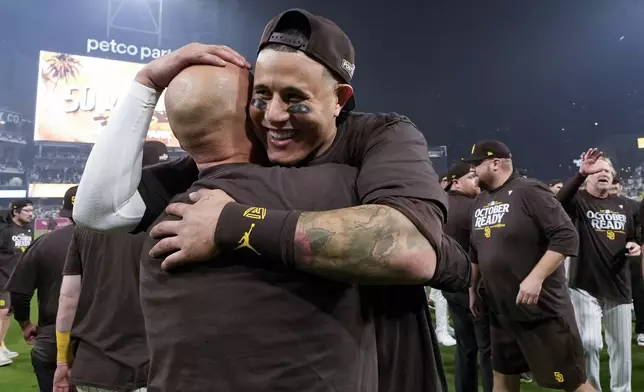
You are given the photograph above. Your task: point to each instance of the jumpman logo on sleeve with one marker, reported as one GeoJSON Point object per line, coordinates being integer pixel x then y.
{"type": "Point", "coordinates": [244, 242]}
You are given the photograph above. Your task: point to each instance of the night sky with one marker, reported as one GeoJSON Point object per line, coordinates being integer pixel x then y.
{"type": "Point", "coordinates": [548, 77]}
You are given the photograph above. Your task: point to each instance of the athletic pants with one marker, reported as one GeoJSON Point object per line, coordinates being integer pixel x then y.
{"type": "Point", "coordinates": [638, 293]}
{"type": "Point", "coordinates": [440, 311]}
{"type": "Point", "coordinates": [589, 312]}
{"type": "Point", "coordinates": [43, 360]}
{"type": "Point", "coordinates": [472, 340]}
{"type": "Point", "coordinates": [94, 389]}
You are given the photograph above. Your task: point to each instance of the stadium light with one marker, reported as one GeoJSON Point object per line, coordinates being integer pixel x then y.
{"type": "Point", "coordinates": [640, 142]}
{"type": "Point", "coordinates": [154, 7]}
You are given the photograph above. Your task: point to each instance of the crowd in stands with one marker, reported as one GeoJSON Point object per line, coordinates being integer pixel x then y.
{"type": "Point", "coordinates": [12, 136]}
{"type": "Point", "coordinates": [8, 164]}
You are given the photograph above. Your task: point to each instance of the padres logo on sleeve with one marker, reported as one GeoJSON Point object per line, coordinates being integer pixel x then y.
{"type": "Point", "coordinates": [559, 377]}
{"type": "Point", "coordinates": [606, 221]}
{"type": "Point", "coordinates": [490, 217]}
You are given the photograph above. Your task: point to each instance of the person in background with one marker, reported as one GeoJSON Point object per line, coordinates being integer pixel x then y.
{"type": "Point", "coordinates": [111, 351]}
{"type": "Point", "coordinates": [443, 330]}
{"type": "Point", "coordinates": [600, 285]}
{"type": "Point", "coordinates": [51, 223]}
{"type": "Point", "coordinates": [16, 234]}
{"type": "Point", "coordinates": [472, 333]}
{"type": "Point", "coordinates": [554, 185]}
{"type": "Point", "coordinates": [40, 269]}
{"type": "Point", "coordinates": [444, 181]}
{"type": "Point", "coordinates": [520, 235]}
{"type": "Point", "coordinates": [637, 280]}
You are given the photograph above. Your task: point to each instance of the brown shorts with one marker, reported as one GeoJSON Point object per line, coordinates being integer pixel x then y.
{"type": "Point", "coordinates": [5, 300]}
{"type": "Point", "coordinates": [551, 349]}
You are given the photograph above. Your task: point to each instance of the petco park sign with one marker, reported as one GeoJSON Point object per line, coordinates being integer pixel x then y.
{"type": "Point", "coordinates": [9, 117]}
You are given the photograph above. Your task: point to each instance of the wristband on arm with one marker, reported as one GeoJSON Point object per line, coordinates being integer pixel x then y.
{"type": "Point", "coordinates": [267, 233]}
{"type": "Point", "coordinates": [63, 348]}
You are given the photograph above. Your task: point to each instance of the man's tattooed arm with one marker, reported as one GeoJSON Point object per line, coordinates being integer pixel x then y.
{"type": "Point", "coordinates": [368, 244]}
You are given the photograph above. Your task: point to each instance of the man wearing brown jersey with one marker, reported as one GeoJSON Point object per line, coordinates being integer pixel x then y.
{"type": "Point", "coordinates": [520, 235]}
{"type": "Point", "coordinates": [600, 285]}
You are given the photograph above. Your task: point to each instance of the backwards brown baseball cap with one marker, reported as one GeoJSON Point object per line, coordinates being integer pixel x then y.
{"type": "Point", "coordinates": [154, 152]}
{"type": "Point", "coordinates": [68, 202]}
{"type": "Point", "coordinates": [488, 149]}
{"type": "Point", "coordinates": [456, 171]}
{"type": "Point", "coordinates": [327, 43]}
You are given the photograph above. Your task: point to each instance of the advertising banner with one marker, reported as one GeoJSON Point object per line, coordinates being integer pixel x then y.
{"type": "Point", "coordinates": [76, 95]}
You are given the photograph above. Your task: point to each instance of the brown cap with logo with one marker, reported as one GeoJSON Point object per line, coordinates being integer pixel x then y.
{"type": "Point", "coordinates": [488, 149]}
{"type": "Point", "coordinates": [327, 43]}
{"type": "Point", "coordinates": [154, 152]}
{"type": "Point", "coordinates": [68, 202]}
{"type": "Point", "coordinates": [456, 171]}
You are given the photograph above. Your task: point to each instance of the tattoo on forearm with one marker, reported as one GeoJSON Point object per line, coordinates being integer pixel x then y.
{"type": "Point", "coordinates": [357, 241]}
{"type": "Point", "coordinates": [320, 238]}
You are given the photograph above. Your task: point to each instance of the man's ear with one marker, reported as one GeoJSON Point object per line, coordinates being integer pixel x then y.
{"type": "Point", "coordinates": [343, 92]}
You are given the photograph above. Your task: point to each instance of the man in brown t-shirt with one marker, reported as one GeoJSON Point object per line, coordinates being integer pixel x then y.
{"type": "Point", "coordinates": [403, 206]}
{"type": "Point", "coordinates": [472, 333]}
{"type": "Point", "coordinates": [520, 235]}
{"type": "Point", "coordinates": [16, 234]}
{"type": "Point", "coordinates": [40, 269]}
{"type": "Point", "coordinates": [100, 328]}
{"type": "Point", "coordinates": [600, 286]}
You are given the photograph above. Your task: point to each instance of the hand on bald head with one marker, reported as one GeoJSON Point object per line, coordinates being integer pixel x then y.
{"type": "Point", "coordinates": [206, 108]}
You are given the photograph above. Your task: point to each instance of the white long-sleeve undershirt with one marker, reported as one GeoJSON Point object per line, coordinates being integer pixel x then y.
{"type": "Point", "coordinates": [107, 197]}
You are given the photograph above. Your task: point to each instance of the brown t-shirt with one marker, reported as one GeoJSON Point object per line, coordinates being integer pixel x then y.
{"type": "Point", "coordinates": [512, 227]}
{"type": "Point", "coordinates": [241, 322]}
{"type": "Point", "coordinates": [108, 330]}
{"type": "Point", "coordinates": [14, 240]}
{"type": "Point", "coordinates": [604, 226]}
{"type": "Point", "coordinates": [458, 218]}
{"type": "Point", "coordinates": [394, 169]}
{"type": "Point", "coordinates": [41, 269]}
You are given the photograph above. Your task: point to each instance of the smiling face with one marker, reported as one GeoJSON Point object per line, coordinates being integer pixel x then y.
{"type": "Point", "coordinates": [601, 181]}
{"type": "Point", "coordinates": [294, 105]}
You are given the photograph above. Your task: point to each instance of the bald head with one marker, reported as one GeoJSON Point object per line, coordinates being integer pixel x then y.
{"type": "Point", "coordinates": [206, 109]}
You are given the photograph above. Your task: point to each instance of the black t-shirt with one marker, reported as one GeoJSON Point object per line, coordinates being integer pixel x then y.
{"type": "Point", "coordinates": [512, 227]}
{"type": "Point", "coordinates": [14, 240]}
{"type": "Point", "coordinates": [458, 218]}
{"type": "Point", "coordinates": [604, 226]}
{"type": "Point", "coordinates": [108, 328]}
{"type": "Point", "coordinates": [394, 169]}
{"type": "Point", "coordinates": [41, 268]}
{"type": "Point", "coordinates": [241, 322]}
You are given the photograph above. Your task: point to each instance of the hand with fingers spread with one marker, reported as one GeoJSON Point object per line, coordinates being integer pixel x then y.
{"type": "Point", "coordinates": [158, 73]}
{"type": "Point", "coordinates": [589, 162]}
{"type": "Point", "coordinates": [192, 238]}
{"type": "Point", "coordinates": [529, 290]}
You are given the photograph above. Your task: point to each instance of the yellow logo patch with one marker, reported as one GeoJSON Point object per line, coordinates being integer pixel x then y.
{"type": "Point", "coordinates": [473, 148]}
{"type": "Point", "coordinates": [3, 302]}
{"type": "Point", "coordinates": [610, 234]}
{"type": "Point", "coordinates": [244, 242]}
{"type": "Point", "coordinates": [255, 213]}
{"type": "Point", "coordinates": [559, 377]}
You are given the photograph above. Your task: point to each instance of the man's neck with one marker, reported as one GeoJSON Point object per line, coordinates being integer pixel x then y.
{"type": "Point", "coordinates": [237, 158]}
{"type": "Point", "coordinates": [502, 179]}
{"type": "Point", "coordinates": [17, 222]}
{"type": "Point", "coordinates": [598, 193]}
